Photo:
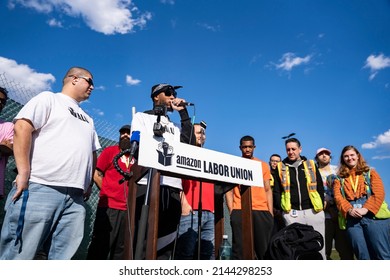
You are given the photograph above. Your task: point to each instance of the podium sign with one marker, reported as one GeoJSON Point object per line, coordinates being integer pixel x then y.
{"type": "Point", "coordinates": [184, 159]}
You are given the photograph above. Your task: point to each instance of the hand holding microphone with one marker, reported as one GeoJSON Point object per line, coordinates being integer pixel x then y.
{"type": "Point", "coordinates": [179, 104]}
{"type": "Point", "coordinates": [186, 104]}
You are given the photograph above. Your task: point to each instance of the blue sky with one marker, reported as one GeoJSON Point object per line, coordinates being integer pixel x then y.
{"type": "Point", "coordinates": [320, 68]}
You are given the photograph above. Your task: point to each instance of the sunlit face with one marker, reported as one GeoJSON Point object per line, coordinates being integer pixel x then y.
{"type": "Point", "coordinates": [274, 162]}
{"type": "Point", "coordinates": [350, 158]}
{"type": "Point", "coordinates": [323, 158]}
{"type": "Point", "coordinates": [247, 148]}
{"type": "Point", "coordinates": [163, 99]}
{"type": "Point", "coordinates": [84, 85]}
{"type": "Point", "coordinates": [200, 135]}
{"type": "Point", "coordinates": [293, 151]}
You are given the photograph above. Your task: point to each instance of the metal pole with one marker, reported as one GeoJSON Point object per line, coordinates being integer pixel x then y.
{"type": "Point", "coordinates": [143, 221]}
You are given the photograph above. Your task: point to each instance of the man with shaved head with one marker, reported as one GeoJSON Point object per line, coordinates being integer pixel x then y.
{"type": "Point", "coordinates": [55, 145]}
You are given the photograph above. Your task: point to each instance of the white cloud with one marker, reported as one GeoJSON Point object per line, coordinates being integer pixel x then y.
{"type": "Point", "coordinates": [380, 157]}
{"type": "Point", "coordinates": [209, 27]}
{"type": "Point", "coordinates": [376, 63]}
{"type": "Point", "coordinates": [54, 23]}
{"type": "Point", "coordinates": [170, 2]}
{"type": "Point", "coordinates": [372, 76]}
{"type": "Point", "coordinates": [290, 60]}
{"type": "Point", "coordinates": [173, 23]}
{"type": "Point", "coordinates": [103, 88]}
{"type": "Point", "coordinates": [104, 16]}
{"type": "Point", "coordinates": [98, 112]}
{"type": "Point", "coordinates": [380, 140]}
{"type": "Point", "coordinates": [131, 81]}
{"type": "Point", "coordinates": [40, 6]}
{"type": "Point", "coordinates": [26, 76]}
{"type": "Point", "coordinates": [119, 116]}
{"type": "Point", "coordinates": [255, 58]}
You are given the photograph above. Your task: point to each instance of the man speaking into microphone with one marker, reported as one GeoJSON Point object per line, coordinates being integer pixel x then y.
{"type": "Point", "coordinates": [156, 123]}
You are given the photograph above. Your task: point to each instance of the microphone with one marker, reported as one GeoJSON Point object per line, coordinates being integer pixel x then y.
{"type": "Point", "coordinates": [185, 104]}
{"type": "Point", "coordinates": [134, 140]}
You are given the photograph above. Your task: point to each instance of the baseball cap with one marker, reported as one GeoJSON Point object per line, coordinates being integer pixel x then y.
{"type": "Point", "coordinates": [125, 127]}
{"type": "Point", "coordinates": [156, 89]}
{"type": "Point", "coordinates": [323, 150]}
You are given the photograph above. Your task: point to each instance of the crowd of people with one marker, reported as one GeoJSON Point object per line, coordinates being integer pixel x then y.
{"type": "Point", "coordinates": [45, 209]}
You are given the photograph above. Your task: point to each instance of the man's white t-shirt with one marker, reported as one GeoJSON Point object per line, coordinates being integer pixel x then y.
{"type": "Point", "coordinates": [63, 141]}
{"type": "Point", "coordinates": [143, 123]}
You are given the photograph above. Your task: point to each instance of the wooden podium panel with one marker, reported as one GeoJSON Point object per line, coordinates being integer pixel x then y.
{"type": "Point", "coordinates": [151, 236]}
{"type": "Point", "coordinates": [247, 222]}
{"type": "Point", "coordinates": [220, 188]}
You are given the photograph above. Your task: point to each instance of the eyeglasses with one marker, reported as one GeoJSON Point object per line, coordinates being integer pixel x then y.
{"type": "Point", "coordinates": [87, 79]}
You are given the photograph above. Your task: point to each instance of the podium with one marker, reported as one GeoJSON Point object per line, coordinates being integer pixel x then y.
{"type": "Point", "coordinates": [194, 163]}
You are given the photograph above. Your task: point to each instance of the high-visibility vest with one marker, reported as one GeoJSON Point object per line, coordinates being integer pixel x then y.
{"type": "Point", "coordinates": [311, 183]}
{"type": "Point", "coordinates": [367, 181]}
{"type": "Point", "coordinates": [272, 181]}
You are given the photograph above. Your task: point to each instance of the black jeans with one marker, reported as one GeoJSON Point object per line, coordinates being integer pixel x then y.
{"type": "Point", "coordinates": [108, 235]}
{"type": "Point", "coordinates": [263, 223]}
{"type": "Point", "coordinates": [168, 220]}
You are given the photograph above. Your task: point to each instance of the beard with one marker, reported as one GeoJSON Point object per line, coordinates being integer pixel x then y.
{"type": "Point", "coordinates": [124, 144]}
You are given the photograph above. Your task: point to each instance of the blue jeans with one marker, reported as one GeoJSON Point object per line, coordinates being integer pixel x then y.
{"type": "Point", "coordinates": [187, 245]}
{"type": "Point", "coordinates": [370, 237]}
{"type": "Point", "coordinates": [53, 222]}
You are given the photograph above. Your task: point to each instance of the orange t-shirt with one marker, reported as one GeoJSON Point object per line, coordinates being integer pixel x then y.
{"type": "Point", "coordinates": [259, 199]}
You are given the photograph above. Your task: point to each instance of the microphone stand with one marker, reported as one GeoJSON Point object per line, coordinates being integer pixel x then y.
{"type": "Point", "coordinates": [199, 219]}
{"type": "Point", "coordinates": [143, 221]}
{"type": "Point", "coordinates": [126, 177]}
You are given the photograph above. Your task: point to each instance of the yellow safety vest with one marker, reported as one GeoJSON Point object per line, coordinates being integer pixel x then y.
{"type": "Point", "coordinates": [311, 180]}
{"type": "Point", "coordinates": [272, 181]}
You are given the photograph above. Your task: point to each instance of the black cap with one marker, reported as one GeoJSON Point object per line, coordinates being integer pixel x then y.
{"type": "Point", "coordinates": [125, 127]}
{"type": "Point", "coordinates": [156, 89]}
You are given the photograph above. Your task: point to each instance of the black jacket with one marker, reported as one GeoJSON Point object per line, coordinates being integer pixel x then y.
{"type": "Point", "coordinates": [299, 193]}
{"type": "Point", "coordinates": [296, 241]}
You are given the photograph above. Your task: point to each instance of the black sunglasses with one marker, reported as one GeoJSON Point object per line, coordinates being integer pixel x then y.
{"type": "Point", "coordinates": [87, 79]}
{"type": "Point", "coordinates": [170, 91]}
